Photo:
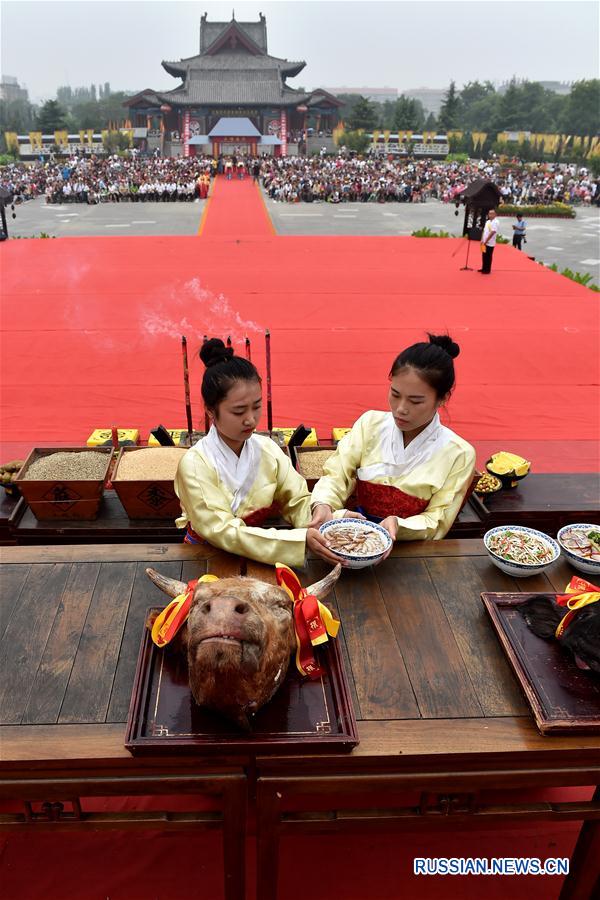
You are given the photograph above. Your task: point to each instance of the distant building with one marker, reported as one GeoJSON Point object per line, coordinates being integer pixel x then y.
{"type": "Point", "coordinates": [371, 93]}
{"type": "Point", "coordinates": [10, 89]}
{"type": "Point", "coordinates": [558, 87]}
{"type": "Point", "coordinates": [233, 98]}
{"type": "Point", "coordinates": [431, 98]}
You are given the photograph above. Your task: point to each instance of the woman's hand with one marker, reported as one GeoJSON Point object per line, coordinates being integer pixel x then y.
{"type": "Point", "coordinates": [391, 525]}
{"type": "Point", "coordinates": [318, 544]}
{"type": "Point", "coordinates": [321, 513]}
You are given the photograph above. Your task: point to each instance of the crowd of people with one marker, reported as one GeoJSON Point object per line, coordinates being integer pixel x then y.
{"type": "Point", "coordinates": [112, 179]}
{"type": "Point", "coordinates": [293, 179]}
{"type": "Point", "coordinates": [355, 179]}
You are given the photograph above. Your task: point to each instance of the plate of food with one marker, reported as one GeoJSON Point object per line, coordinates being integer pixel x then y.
{"type": "Point", "coordinates": [487, 484]}
{"type": "Point", "coordinates": [520, 551]}
{"type": "Point", "coordinates": [508, 467]}
{"type": "Point", "coordinates": [358, 542]}
{"type": "Point", "coordinates": [581, 545]}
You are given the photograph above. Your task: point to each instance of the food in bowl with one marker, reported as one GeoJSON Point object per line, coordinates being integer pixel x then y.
{"type": "Point", "coordinates": [580, 543]}
{"type": "Point", "coordinates": [504, 463]}
{"type": "Point", "coordinates": [520, 551]}
{"type": "Point", "coordinates": [508, 467]}
{"type": "Point", "coordinates": [520, 547]}
{"type": "Point", "coordinates": [358, 542]}
{"type": "Point", "coordinates": [488, 484]}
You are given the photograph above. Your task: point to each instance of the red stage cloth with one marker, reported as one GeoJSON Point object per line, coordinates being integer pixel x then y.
{"type": "Point", "coordinates": [91, 331]}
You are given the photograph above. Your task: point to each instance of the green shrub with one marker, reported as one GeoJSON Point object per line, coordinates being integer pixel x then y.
{"type": "Point", "coordinates": [428, 233]}
{"type": "Point", "coordinates": [578, 277]}
{"type": "Point", "coordinates": [553, 210]}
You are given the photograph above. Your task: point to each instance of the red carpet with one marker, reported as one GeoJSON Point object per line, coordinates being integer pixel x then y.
{"type": "Point", "coordinates": [91, 330]}
{"type": "Point", "coordinates": [90, 337]}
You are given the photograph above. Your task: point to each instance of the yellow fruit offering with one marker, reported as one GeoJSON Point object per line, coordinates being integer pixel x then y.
{"type": "Point", "coordinates": [504, 463]}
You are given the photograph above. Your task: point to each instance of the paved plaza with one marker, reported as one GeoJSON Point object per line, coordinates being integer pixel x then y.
{"type": "Point", "coordinates": [568, 242]}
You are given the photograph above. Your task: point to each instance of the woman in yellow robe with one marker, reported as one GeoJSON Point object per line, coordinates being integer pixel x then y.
{"type": "Point", "coordinates": [406, 470]}
{"type": "Point", "coordinates": [233, 480]}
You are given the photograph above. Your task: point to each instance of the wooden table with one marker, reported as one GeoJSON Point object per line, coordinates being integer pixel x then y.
{"type": "Point", "coordinates": [439, 712]}
{"type": "Point", "coordinates": [540, 501]}
{"type": "Point", "coordinates": [71, 619]}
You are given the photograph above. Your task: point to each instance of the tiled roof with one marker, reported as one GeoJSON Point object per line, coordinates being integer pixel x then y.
{"type": "Point", "coordinates": [234, 92]}
{"type": "Point", "coordinates": [234, 62]}
{"type": "Point", "coordinates": [210, 31]}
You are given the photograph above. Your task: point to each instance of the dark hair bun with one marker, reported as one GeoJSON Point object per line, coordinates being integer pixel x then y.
{"type": "Point", "coordinates": [446, 343]}
{"type": "Point", "coordinates": [214, 351]}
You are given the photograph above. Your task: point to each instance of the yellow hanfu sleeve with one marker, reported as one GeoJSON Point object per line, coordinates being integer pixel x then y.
{"type": "Point", "coordinates": [436, 520]}
{"type": "Point", "coordinates": [207, 507]}
{"type": "Point", "coordinates": [339, 478]}
{"type": "Point", "coordinates": [291, 492]}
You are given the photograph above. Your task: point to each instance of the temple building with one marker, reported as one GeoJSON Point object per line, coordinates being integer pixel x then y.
{"type": "Point", "coordinates": [233, 98]}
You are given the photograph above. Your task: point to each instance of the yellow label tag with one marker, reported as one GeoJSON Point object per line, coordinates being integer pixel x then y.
{"type": "Point", "coordinates": [101, 435]}
{"type": "Point", "coordinates": [175, 434]}
{"type": "Point", "coordinates": [311, 440]}
{"type": "Point", "coordinates": [338, 433]}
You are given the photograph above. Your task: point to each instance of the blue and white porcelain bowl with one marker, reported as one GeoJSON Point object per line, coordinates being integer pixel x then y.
{"type": "Point", "coordinates": [519, 569]}
{"type": "Point", "coordinates": [354, 561]}
{"type": "Point", "coordinates": [589, 566]}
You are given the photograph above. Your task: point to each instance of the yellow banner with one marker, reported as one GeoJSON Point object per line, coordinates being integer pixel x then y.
{"type": "Point", "coordinates": [386, 135]}
{"type": "Point", "coordinates": [12, 141]}
{"type": "Point", "coordinates": [82, 135]}
{"type": "Point", "coordinates": [405, 136]}
{"type": "Point", "coordinates": [35, 139]}
{"type": "Point", "coordinates": [375, 136]}
{"type": "Point", "coordinates": [479, 138]}
{"type": "Point", "coordinates": [90, 136]}
{"type": "Point", "coordinates": [129, 133]}
{"type": "Point", "coordinates": [428, 136]}
{"type": "Point", "coordinates": [455, 134]}
{"type": "Point", "coordinates": [61, 138]}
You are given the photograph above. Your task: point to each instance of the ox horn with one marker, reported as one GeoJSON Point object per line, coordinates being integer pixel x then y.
{"type": "Point", "coordinates": [323, 587]}
{"type": "Point", "coordinates": [169, 586]}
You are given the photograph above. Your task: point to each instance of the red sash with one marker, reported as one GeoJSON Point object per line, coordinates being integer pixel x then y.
{"type": "Point", "coordinates": [383, 500]}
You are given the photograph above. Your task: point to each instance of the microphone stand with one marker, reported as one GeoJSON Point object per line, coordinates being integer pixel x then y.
{"type": "Point", "coordinates": [467, 267]}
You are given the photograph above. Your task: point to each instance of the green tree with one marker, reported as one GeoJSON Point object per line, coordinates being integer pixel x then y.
{"type": "Point", "coordinates": [430, 123]}
{"type": "Point", "coordinates": [355, 140]}
{"type": "Point", "coordinates": [51, 117]}
{"type": "Point", "coordinates": [409, 114]}
{"type": "Point", "coordinates": [581, 114]}
{"type": "Point", "coordinates": [364, 115]}
{"type": "Point", "coordinates": [449, 116]}
{"type": "Point", "coordinates": [16, 115]}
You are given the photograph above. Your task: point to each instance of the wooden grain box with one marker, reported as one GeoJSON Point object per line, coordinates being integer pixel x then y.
{"type": "Point", "coordinates": [306, 462]}
{"type": "Point", "coordinates": [66, 498]}
{"type": "Point", "coordinates": [146, 498]}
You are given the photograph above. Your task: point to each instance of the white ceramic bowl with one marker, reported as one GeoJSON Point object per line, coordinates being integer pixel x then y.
{"type": "Point", "coordinates": [589, 566]}
{"type": "Point", "coordinates": [352, 561]}
{"type": "Point", "coordinates": [516, 569]}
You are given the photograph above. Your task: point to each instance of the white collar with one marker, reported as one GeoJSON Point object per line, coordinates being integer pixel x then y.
{"type": "Point", "coordinates": [237, 473]}
{"type": "Point", "coordinates": [396, 459]}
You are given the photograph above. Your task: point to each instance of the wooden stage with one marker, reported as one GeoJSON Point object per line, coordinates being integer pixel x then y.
{"type": "Point", "coordinates": [441, 719]}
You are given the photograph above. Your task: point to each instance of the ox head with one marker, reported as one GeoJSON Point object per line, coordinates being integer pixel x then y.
{"type": "Point", "coordinates": [238, 640]}
{"type": "Point", "coordinates": [581, 637]}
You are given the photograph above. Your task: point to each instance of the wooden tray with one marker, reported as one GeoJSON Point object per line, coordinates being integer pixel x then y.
{"type": "Point", "coordinates": [303, 716]}
{"type": "Point", "coordinates": [563, 698]}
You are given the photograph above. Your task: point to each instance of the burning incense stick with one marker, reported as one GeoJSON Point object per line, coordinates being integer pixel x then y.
{"type": "Point", "coordinates": [186, 385]}
{"type": "Point", "coordinates": [229, 340]}
{"type": "Point", "coordinates": [269, 397]}
{"type": "Point", "coordinates": [248, 351]}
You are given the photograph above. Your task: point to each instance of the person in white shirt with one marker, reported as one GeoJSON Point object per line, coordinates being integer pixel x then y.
{"type": "Point", "coordinates": [488, 242]}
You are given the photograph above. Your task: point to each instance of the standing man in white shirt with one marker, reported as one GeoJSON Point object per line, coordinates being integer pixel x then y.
{"type": "Point", "coordinates": [488, 242]}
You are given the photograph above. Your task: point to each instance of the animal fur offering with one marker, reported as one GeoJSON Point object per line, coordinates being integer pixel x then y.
{"type": "Point", "coordinates": [356, 541]}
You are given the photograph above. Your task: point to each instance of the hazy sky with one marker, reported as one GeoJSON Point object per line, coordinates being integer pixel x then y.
{"type": "Point", "coordinates": [401, 44]}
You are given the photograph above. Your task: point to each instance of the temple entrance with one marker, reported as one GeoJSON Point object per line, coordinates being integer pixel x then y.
{"type": "Point", "coordinates": [237, 149]}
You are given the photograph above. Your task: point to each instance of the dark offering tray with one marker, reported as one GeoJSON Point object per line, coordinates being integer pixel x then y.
{"type": "Point", "coordinates": [563, 697]}
{"type": "Point", "coordinates": [303, 716]}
